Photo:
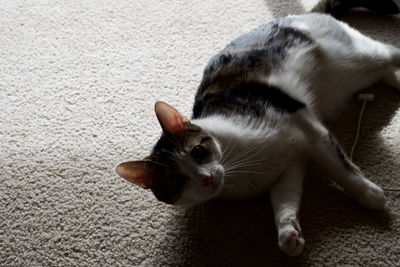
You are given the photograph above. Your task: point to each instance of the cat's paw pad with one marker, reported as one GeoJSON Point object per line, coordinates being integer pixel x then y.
{"type": "Point", "coordinates": [290, 241]}
{"type": "Point", "coordinates": [373, 198]}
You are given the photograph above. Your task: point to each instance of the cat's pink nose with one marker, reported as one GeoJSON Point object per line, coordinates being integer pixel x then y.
{"type": "Point", "coordinates": [207, 180]}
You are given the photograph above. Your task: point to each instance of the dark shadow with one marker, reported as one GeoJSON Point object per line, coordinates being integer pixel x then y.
{"type": "Point", "coordinates": [233, 234]}
{"type": "Point", "coordinates": [243, 233]}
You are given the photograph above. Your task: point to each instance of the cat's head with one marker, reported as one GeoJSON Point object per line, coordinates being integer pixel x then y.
{"type": "Point", "coordinates": [184, 167]}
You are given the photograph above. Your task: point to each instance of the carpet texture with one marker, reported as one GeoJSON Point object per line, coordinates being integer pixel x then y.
{"type": "Point", "coordinates": [78, 81]}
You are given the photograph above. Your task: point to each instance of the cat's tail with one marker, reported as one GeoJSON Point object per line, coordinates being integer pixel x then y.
{"type": "Point", "coordinates": [338, 8]}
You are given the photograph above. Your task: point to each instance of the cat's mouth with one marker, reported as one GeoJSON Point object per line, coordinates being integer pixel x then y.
{"type": "Point", "coordinates": [209, 181]}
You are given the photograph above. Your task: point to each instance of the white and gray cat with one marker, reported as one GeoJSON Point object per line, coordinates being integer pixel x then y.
{"type": "Point", "coordinates": [257, 117]}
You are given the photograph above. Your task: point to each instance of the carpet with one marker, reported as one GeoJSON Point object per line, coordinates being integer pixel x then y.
{"type": "Point", "coordinates": [78, 82]}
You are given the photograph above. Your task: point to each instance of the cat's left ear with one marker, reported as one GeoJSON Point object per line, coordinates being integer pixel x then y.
{"type": "Point", "coordinates": [171, 120]}
{"type": "Point", "coordinates": [139, 172]}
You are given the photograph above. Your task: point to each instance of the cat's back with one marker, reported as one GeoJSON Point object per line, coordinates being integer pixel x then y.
{"type": "Point", "coordinates": [273, 39]}
{"type": "Point", "coordinates": [238, 79]}
{"type": "Point", "coordinates": [280, 32]}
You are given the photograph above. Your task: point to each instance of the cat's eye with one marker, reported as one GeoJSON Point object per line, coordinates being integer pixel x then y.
{"type": "Point", "coordinates": [178, 180]}
{"type": "Point", "coordinates": [198, 153]}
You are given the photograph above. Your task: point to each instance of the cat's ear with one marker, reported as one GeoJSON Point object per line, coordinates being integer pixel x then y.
{"type": "Point", "coordinates": [171, 120]}
{"type": "Point", "coordinates": [140, 173]}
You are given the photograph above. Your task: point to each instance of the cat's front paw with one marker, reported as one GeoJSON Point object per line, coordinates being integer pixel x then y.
{"type": "Point", "coordinates": [290, 241]}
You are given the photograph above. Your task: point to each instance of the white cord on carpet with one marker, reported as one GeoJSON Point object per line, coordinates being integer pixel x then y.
{"type": "Point", "coordinates": [365, 98]}
{"type": "Point", "coordinates": [358, 130]}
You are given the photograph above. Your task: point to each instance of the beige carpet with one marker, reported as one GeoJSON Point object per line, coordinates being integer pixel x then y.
{"type": "Point", "coordinates": [78, 81]}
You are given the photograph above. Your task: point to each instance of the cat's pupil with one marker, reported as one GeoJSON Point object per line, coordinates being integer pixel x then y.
{"type": "Point", "coordinates": [198, 153]}
{"type": "Point", "coordinates": [178, 180]}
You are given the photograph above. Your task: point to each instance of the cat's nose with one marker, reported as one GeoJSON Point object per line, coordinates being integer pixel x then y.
{"type": "Point", "coordinates": [207, 180]}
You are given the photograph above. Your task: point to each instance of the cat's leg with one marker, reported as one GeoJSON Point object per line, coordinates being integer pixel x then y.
{"type": "Point", "coordinates": [324, 149]}
{"type": "Point", "coordinates": [285, 198]}
{"type": "Point", "coordinates": [357, 63]}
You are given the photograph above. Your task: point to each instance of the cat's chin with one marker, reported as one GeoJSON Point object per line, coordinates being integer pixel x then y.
{"type": "Point", "coordinates": [213, 194]}
{"type": "Point", "coordinates": [215, 191]}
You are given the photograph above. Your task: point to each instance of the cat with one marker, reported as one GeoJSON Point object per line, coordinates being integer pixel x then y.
{"type": "Point", "coordinates": [258, 117]}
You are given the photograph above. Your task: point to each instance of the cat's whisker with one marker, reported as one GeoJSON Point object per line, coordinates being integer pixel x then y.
{"type": "Point", "coordinates": [244, 154]}
{"type": "Point", "coordinates": [232, 148]}
{"type": "Point", "coordinates": [253, 172]}
{"type": "Point", "coordinates": [226, 152]}
{"type": "Point", "coordinates": [256, 154]}
{"type": "Point", "coordinates": [243, 165]}
{"type": "Point", "coordinates": [239, 155]}
{"type": "Point", "coordinates": [243, 162]}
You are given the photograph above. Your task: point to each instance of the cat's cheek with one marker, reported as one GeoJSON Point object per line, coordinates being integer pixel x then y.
{"type": "Point", "coordinates": [218, 185]}
{"type": "Point", "coordinates": [219, 174]}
